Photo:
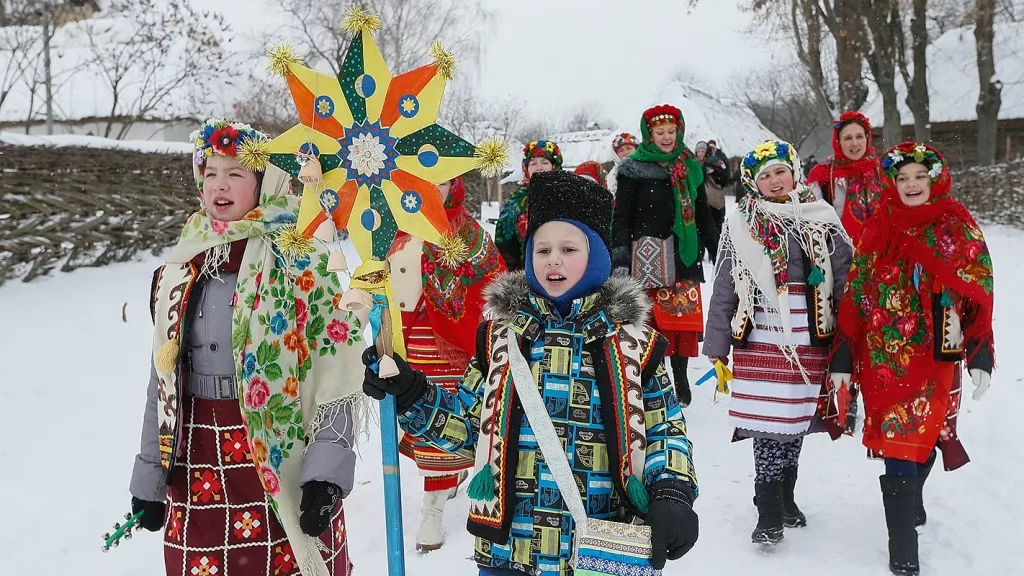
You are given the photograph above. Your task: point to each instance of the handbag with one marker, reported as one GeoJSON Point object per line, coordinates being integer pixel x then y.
{"type": "Point", "coordinates": [716, 194]}
{"type": "Point", "coordinates": [654, 262]}
{"type": "Point", "coordinates": [600, 547]}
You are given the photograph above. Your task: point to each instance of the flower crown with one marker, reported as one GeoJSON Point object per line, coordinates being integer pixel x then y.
{"type": "Point", "coordinates": [764, 153]}
{"type": "Point", "coordinates": [851, 117]}
{"type": "Point", "coordinates": [663, 114]}
{"type": "Point", "coordinates": [624, 139]}
{"type": "Point", "coordinates": [915, 152]}
{"type": "Point", "coordinates": [233, 139]}
{"type": "Point", "coordinates": [543, 149]}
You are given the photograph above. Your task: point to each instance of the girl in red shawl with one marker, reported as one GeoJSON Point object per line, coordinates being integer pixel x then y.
{"type": "Point", "coordinates": [442, 305]}
{"type": "Point", "coordinates": [918, 303]}
{"type": "Point", "coordinates": [851, 179]}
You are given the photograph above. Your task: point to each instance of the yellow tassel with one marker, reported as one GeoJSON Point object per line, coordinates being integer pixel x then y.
{"type": "Point", "coordinates": [443, 59]}
{"type": "Point", "coordinates": [254, 154]}
{"type": "Point", "coordinates": [357, 20]}
{"type": "Point", "coordinates": [292, 243]}
{"type": "Point", "coordinates": [167, 358]}
{"type": "Point", "coordinates": [453, 250]}
{"type": "Point", "coordinates": [492, 154]}
{"type": "Point", "coordinates": [281, 58]}
{"type": "Point", "coordinates": [311, 172]}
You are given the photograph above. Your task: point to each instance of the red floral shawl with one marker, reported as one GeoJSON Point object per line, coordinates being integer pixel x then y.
{"type": "Point", "coordinates": [905, 259]}
{"type": "Point", "coordinates": [453, 297]}
{"type": "Point", "coordinates": [864, 192]}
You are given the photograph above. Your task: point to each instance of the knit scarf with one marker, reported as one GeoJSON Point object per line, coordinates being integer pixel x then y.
{"type": "Point", "coordinates": [906, 258]}
{"type": "Point", "coordinates": [686, 175]}
{"type": "Point", "coordinates": [454, 294]}
{"type": "Point", "coordinates": [756, 242]}
{"type": "Point", "coordinates": [288, 336]}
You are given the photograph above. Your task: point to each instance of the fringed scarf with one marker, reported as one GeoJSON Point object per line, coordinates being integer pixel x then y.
{"type": "Point", "coordinates": [908, 257]}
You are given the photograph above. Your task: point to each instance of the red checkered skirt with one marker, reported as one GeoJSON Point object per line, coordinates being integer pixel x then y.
{"type": "Point", "coordinates": [219, 520]}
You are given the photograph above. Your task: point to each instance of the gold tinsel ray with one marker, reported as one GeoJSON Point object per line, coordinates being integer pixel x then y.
{"type": "Point", "coordinates": [281, 57]}
{"type": "Point", "coordinates": [254, 154]}
{"type": "Point", "coordinates": [453, 250]}
{"type": "Point", "coordinates": [493, 156]}
{"type": "Point", "coordinates": [444, 59]}
{"type": "Point", "coordinates": [358, 20]}
{"type": "Point", "coordinates": [292, 243]}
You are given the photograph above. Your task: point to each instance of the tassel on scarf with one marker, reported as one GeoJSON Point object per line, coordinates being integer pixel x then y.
{"type": "Point", "coordinates": [482, 488]}
{"type": "Point", "coordinates": [946, 299]}
{"type": "Point", "coordinates": [816, 277]}
{"type": "Point", "coordinates": [637, 494]}
{"type": "Point", "coordinates": [167, 358]}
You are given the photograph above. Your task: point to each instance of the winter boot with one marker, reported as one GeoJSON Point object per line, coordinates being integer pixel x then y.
{"type": "Point", "coordinates": [792, 517]}
{"type": "Point", "coordinates": [682, 383]}
{"type": "Point", "coordinates": [899, 495]}
{"type": "Point", "coordinates": [851, 415]}
{"type": "Point", "coordinates": [923, 470]}
{"type": "Point", "coordinates": [769, 513]}
{"type": "Point", "coordinates": [430, 536]}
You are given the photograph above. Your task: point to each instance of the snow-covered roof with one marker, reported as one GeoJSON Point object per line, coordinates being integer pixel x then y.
{"type": "Point", "coordinates": [152, 146]}
{"type": "Point", "coordinates": [953, 77]}
{"type": "Point", "coordinates": [80, 90]}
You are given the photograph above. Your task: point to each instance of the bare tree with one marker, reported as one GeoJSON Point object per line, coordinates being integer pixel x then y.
{"type": "Point", "coordinates": [587, 116]}
{"type": "Point", "coordinates": [153, 54]}
{"type": "Point", "coordinates": [781, 101]}
{"type": "Point", "coordinates": [409, 26]}
{"type": "Point", "coordinates": [882, 20]}
{"type": "Point", "coordinates": [918, 99]}
{"type": "Point", "coordinates": [990, 95]}
{"type": "Point", "coordinates": [473, 118]}
{"type": "Point", "coordinates": [535, 129]}
{"type": "Point", "coordinates": [266, 105]}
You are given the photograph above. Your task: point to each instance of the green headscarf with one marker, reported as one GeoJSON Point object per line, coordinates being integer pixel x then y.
{"type": "Point", "coordinates": [686, 175]}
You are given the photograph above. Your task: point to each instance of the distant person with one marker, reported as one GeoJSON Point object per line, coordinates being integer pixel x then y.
{"type": "Point", "coordinates": [661, 227]}
{"type": "Point", "coordinates": [716, 179]}
{"type": "Point", "coordinates": [714, 150]}
{"type": "Point", "coordinates": [917, 309]}
{"type": "Point", "coordinates": [594, 172]}
{"type": "Point", "coordinates": [510, 232]}
{"type": "Point", "coordinates": [623, 145]}
{"type": "Point", "coordinates": [809, 165]}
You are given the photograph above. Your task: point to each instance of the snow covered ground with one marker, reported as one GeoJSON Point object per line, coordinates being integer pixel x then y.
{"type": "Point", "coordinates": [72, 391]}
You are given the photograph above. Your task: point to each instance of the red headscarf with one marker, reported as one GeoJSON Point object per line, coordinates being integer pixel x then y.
{"type": "Point", "coordinates": [864, 192]}
{"type": "Point", "coordinates": [907, 258]}
{"type": "Point", "coordinates": [453, 296]}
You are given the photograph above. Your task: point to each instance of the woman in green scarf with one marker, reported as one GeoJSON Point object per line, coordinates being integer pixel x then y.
{"type": "Point", "coordinates": [662, 223]}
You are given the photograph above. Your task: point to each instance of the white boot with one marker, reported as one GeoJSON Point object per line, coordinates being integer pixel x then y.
{"type": "Point", "coordinates": [430, 536]}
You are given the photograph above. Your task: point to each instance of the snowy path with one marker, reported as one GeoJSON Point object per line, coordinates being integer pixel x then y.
{"type": "Point", "coordinates": [72, 392]}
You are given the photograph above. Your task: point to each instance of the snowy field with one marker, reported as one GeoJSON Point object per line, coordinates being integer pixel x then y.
{"type": "Point", "coordinates": [73, 389]}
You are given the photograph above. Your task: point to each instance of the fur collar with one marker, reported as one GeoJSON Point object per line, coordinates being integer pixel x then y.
{"type": "Point", "coordinates": [621, 299]}
{"type": "Point", "coordinates": [642, 170]}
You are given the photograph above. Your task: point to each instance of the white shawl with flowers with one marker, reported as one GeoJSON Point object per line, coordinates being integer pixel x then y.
{"type": "Point", "coordinates": [296, 362]}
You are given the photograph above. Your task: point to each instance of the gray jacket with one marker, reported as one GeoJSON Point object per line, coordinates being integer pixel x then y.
{"type": "Point", "coordinates": [328, 458]}
{"type": "Point", "coordinates": [718, 338]}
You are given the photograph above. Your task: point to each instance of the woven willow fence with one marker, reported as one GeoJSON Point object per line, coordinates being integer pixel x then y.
{"type": "Point", "coordinates": [68, 207]}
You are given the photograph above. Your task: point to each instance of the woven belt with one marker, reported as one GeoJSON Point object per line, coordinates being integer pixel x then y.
{"type": "Point", "coordinates": [213, 387]}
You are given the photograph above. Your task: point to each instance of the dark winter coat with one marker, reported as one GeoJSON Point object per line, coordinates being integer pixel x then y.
{"type": "Point", "coordinates": [645, 206]}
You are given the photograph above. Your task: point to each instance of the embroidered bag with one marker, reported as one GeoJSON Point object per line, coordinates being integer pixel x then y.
{"type": "Point", "coordinates": [601, 547]}
{"type": "Point", "coordinates": [654, 262]}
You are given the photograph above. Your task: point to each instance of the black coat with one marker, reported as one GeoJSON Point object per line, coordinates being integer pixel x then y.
{"type": "Point", "coordinates": [645, 206]}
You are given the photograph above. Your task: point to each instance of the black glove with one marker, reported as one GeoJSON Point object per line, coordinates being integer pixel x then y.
{"type": "Point", "coordinates": [622, 257]}
{"type": "Point", "coordinates": [319, 499]}
{"type": "Point", "coordinates": [408, 387]}
{"type": "Point", "coordinates": [152, 513]}
{"type": "Point", "coordinates": [673, 522]}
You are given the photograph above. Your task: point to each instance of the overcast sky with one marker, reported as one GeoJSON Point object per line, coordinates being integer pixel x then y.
{"type": "Point", "coordinates": [557, 55]}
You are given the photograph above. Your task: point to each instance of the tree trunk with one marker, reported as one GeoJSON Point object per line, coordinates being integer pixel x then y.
{"type": "Point", "coordinates": [851, 48]}
{"type": "Point", "coordinates": [882, 20]}
{"type": "Point", "coordinates": [917, 90]}
{"type": "Point", "coordinates": [47, 70]}
{"type": "Point", "coordinates": [989, 96]}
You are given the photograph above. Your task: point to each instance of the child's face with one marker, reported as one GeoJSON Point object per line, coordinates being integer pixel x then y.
{"type": "Point", "coordinates": [560, 256]}
{"type": "Point", "coordinates": [229, 191]}
{"type": "Point", "coordinates": [539, 164]}
{"type": "Point", "coordinates": [445, 188]}
{"type": "Point", "coordinates": [626, 150]}
{"type": "Point", "coordinates": [914, 184]}
{"type": "Point", "coordinates": [664, 137]}
{"type": "Point", "coordinates": [775, 181]}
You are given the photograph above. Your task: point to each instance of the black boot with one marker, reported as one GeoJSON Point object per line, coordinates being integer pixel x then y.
{"type": "Point", "coordinates": [899, 495]}
{"type": "Point", "coordinates": [851, 414]}
{"type": "Point", "coordinates": [769, 513]}
{"type": "Point", "coordinates": [923, 470]}
{"type": "Point", "coordinates": [682, 383]}
{"type": "Point", "coordinates": [792, 517]}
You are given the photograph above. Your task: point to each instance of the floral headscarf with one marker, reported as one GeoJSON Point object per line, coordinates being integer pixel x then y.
{"type": "Point", "coordinates": [541, 149]}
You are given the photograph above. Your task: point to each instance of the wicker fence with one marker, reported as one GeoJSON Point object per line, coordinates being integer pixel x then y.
{"type": "Point", "coordinates": [69, 207]}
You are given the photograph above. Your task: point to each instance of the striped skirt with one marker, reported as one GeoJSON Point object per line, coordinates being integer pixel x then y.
{"type": "Point", "coordinates": [771, 397]}
{"type": "Point", "coordinates": [423, 354]}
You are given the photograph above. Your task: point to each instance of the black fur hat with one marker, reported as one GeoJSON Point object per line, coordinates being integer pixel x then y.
{"type": "Point", "coordinates": [562, 195]}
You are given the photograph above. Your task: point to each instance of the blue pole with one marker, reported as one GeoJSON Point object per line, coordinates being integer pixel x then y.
{"type": "Point", "coordinates": [380, 331]}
